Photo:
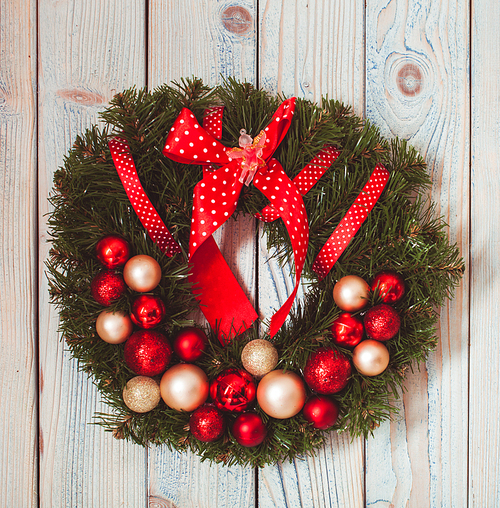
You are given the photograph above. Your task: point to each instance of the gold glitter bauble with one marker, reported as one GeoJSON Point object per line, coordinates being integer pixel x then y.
{"type": "Point", "coordinates": [259, 357]}
{"type": "Point", "coordinates": [141, 394]}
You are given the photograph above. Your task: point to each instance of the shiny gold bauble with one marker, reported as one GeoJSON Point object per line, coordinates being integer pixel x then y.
{"type": "Point", "coordinates": [351, 293]}
{"type": "Point", "coordinates": [142, 273]}
{"type": "Point", "coordinates": [259, 357]}
{"type": "Point", "coordinates": [281, 394]}
{"type": "Point", "coordinates": [141, 394]}
{"type": "Point", "coordinates": [370, 357]}
{"type": "Point", "coordinates": [184, 387]}
{"type": "Point", "coordinates": [113, 327]}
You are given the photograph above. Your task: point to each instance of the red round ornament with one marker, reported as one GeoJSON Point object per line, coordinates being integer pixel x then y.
{"type": "Point", "coordinates": [347, 330]}
{"type": "Point", "coordinates": [147, 353]}
{"type": "Point", "coordinates": [112, 251]}
{"type": "Point", "coordinates": [327, 370]}
{"type": "Point", "coordinates": [190, 343]}
{"type": "Point", "coordinates": [107, 286]}
{"type": "Point", "coordinates": [147, 311]}
{"type": "Point", "coordinates": [321, 411]}
{"type": "Point", "coordinates": [382, 322]}
{"type": "Point", "coordinates": [391, 286]}
{"type": "Point", "coordinates": [249, 429]}
{"type": "Point", "coordinates": [233, 390]}
{"type": "Point", "coordinates": [207, 424]}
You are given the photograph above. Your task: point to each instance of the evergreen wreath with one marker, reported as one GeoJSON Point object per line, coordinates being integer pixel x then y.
{"type": "Point", "coordinates": [401, 234]}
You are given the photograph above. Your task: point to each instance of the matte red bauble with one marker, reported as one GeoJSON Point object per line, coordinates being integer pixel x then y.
{"type": "Point", "coordinates": [107, 286]}
{"type": "Point", "coordinates": [382, 322]}
{"type": "Point", "coordinates": [327, 370]}
{"type": "Point", "coordinates": [147, 353]}
{"type": "Point", "coordinates": [347, 330]}
{"type": "Point", "coordinates": [207, 424]}
{"type": "Point", "coordinates": [321, 411]}
{"type": "Point", "coordinates": [391, 286]}
{"type": "Point", "coordinates": [147, 311]}
{"type": "Point", "coordinates": [112, 251]}
{"type": "Point", "coordinates": [233, 390]}
{"type": "Point", "coordinates": [249, 429]}
{"type": "Point", "coordinates": [190, 343]}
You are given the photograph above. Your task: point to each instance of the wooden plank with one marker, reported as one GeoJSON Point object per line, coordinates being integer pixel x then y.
{"type": "Point", "coordinates": [418, 88]}
{"type": "Point", "coordinates": [88, 51]}
{"type": "Point", "coordinates": [18, 371]}
{"type": "Point", "coordinates": [484, 432]}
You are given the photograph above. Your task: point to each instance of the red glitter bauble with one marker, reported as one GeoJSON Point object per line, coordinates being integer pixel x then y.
{"type": "Point", "coordinates": [207, 424]}
{"type": "Point", "coordinates": [233, 390]}
{"type": "Point", "coordinates": [190, 343]}
{"type": "Point", "coordinates": [347, 330]}
{"type": "Point", "coordinates": [147, 353]}
{"type": "Point", "coordinates": [112, 251]}
{"type": "Point", "coordinates": [327, 370]}
{"type": "Point", "coordinates": [382, 322]}
{"type": "Point", "coordinates": [107, 286]}
{"type": "Point", "coordinates": [147, 311]}
{"type": "Point", "coordinates": [391, 286]}
{"type": "Point", "coordinates": [249, 429]}
{"type": "Point", "coordinates": [321, 411]}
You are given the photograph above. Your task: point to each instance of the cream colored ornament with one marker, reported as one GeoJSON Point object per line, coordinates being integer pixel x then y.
{"type": "Point", "coordinates": [351, 293]}
{"type": "Point", "coordinates": [141, 394]}
{"type": "Point", "coordinates": [142, 273]}
{"type": "Point", "coordinates": [113, 327]}
{"type": "Point", "coordinates": [370, 357]}
{"type": "Point", "coordinates": [259, 357]}
{"type": "Point", "coordinates": [184, 387]}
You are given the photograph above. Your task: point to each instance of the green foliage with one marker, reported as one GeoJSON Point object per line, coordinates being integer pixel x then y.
{"type": "Point", "coordinates": [402, 233]}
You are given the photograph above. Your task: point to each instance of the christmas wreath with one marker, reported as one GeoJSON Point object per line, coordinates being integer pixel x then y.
{"type": "Point", "coordinates": [132, 257]}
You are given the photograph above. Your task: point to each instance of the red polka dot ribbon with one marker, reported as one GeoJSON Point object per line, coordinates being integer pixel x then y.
{"type": "Point", "coordinates": [351, 222]}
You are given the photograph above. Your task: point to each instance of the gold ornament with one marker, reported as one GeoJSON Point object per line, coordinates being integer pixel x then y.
{"type": "Point", "coordinates": [142, 273]}
{"type": "Point", "coordinates": [184, 387]}
{"type": "Point", "coordinates": [259, 357]}
{"type": "Point", "coordinates": [370, 357]}
{"type": "Point", "coordinates": [113, 327]}
{"type": "Point", "coordinates": [141, 394]}
{"type": "Point", "coordinates": [281, 394]}
{"type": "Point", "coordinates": [351, 293]}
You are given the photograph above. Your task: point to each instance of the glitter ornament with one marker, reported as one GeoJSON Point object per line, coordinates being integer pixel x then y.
{"type": "Point", "coordinates": [347, 330]}
{"type": "Point", "coordinates": [142, 273]}
{"type": "Point", "coordinates": [147, 353]}
{"type": "Point", "coordinates": [112, 251]}
{"type": "Point", "coordinates": [259, 357]}
{"type": "Point", "coordinates": [382, 322]}
{"type": "Point", "coordinates": [351, 293]}
{"type": "Point", "coordinates": [321, 411]}
{"type": "Point", "coordinates": [249, 429]}
{"type": "Point", "coordinates": [107, 286]}
{"type": "Point", "coordinates": [370, 357]}
{"type": "Point", "coordinates": [147, 311]}
{"type": "Point", "coordinates": [184, 387]}
{"type": "Point", "coordinates": [327, 370]}
{"type": "Point", "coordinates": [281, 394]}
{"type": "Point", "coordinates": [141, 394]}
{"type": "Point", "coordinates": [233, 390]}
{"type": "Point", "coordinates": [390, 285]}
{"type": "Point", "coordinates": [113, 327]}
{"type": "Point", "coordinates": [190, 343]}
{"type": "Point", "coordinates": [207, 424]}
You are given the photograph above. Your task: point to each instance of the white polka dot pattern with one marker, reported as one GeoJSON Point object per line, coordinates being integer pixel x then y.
{"type": "Point", "coordinates": [212, 123]}
{"type": "Point", "coordinates": [124, 163]}
{"type": "Point", "coordinates": [351, 222]}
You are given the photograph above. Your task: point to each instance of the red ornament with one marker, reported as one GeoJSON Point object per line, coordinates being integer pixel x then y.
{"type": "Point", "coordinates": [107, 286]}
{"type": "Point", "coordinates": [321, 411]}
{"type": "Point", "coordinates": [147, 311]}
{"type": "Point", "coordinates": [233, 390]}
{"type": "Point", "coordinates": [249, 429]}
{"type": "Point", "coordinates": [207, 424]}
{"type": "Point", "coordinates": [147, 353]}
{"type": "Point", "coordinates": [382, 322]}
{"type": "Point", "coordinates": [112, 251]}
{"type": "Point", "coordinates": [391, 286]}
{"type": "Point", "coordinates": [190, 343]}
{"type": "Point", "coordinates": [347, 330]}
{"type": "Point", "coordinates": [327, 370]}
